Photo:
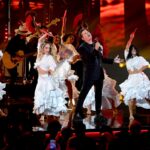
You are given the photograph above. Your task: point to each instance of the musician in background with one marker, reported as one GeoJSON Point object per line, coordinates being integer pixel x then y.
{"type": "Point", "coordinates": [31, 40]}
{"type": "Point", "coordinates": [30, 21]}
{"type": "Point", "coordinates": [14, 52]}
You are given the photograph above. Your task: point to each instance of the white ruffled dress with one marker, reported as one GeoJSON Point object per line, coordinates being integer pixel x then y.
{"type": "Point", "coordinates": [2, 92]}
{"type": "Point", "coordinates": [62, 72]}
{"type": "Point", "coordinates": [136, 86]}
{"type": "Point", "coordinates": [109, 95]}
{"type": "Point", "coordinates": [2, 85]}
{"type": "Point", "coordinates": [48, 99]}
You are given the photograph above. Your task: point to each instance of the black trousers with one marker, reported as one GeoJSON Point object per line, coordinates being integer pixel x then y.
{"type": "Point", "coordinates": [87, 84]}
{"type": "Point", "coordinates": [13, 75]}
{"type": "Point", "coordinates": [10, 88]}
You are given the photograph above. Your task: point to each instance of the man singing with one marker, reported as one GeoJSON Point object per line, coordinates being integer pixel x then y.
{"type": "Point", "coordinates": [91, 55]}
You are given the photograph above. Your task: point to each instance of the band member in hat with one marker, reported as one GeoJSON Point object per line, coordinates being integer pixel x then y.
{"type": "Point", "coordinates": [14, 52]}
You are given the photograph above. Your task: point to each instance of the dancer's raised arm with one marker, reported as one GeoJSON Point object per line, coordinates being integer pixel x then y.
{"type": "Point", "coordinates": [131, 39]}
{"type": "Point", "coordinates": [129, 43]}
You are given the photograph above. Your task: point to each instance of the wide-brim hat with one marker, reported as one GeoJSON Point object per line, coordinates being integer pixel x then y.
{"type": "Point", "coordinates": [22, 30]}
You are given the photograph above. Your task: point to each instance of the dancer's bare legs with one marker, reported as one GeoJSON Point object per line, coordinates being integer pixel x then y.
{"type": "Point", "coordinates": [132, 107]}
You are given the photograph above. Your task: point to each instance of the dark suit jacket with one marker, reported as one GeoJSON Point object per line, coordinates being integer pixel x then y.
{"type": "Point", "coordinates": [92, 62]}
{"type": "Point", "coordinates": [16, 44]}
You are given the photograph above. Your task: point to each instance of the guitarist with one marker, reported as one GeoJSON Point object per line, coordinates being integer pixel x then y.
{"type": "Point", "coordinates": [17, 43]}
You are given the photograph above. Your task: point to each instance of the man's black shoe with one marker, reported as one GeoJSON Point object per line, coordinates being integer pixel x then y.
{"type": "Point", "coordinates": [79, 115]}
{"type": "Point", "coordinates": [100, 120]}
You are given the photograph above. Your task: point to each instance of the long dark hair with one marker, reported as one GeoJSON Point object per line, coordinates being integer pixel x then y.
{"type": "Point", "coordinates": [130, 51]}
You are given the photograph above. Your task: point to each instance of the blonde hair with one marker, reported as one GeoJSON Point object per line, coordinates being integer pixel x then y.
{"type": "Point", "coordinates": [41, 49]}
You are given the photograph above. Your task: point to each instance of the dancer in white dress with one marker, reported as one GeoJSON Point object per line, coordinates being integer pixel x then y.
{"type": "Point", "coordinates": [136, 87]}
{"type": "Point", "coordinates": [110, 96]}
{"type": "Point", "coordinates": [63, 73]}
{"type": "Point", "coordinates": [2, 86]}
{"type": "Point", "coordinates": [48, 99]}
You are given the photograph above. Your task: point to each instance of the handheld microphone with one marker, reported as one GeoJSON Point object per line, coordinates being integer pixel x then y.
{"type": "Point", "coordinates": [100, 46]}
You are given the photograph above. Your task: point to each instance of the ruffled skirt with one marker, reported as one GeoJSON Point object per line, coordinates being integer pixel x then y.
{"type": "Point", "coordinates": [2, 92]}
{"type": "Point", "coordinates": [137, 86]}
{"type": "Point", "coordinates": [110, 98]}
{"type": "Point", "coordinates": [48, 99]}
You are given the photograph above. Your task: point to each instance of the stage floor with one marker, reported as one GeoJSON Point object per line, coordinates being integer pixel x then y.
{"type": "Point", "coordinates": [24, 103]}
{"type": "Point", "coordinates": [116, 120]}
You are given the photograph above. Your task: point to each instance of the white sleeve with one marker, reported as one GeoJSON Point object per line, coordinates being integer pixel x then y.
{"type": "Point", "coordinates": [1, 53]}
{"type": "Point", "coordinates": [143, 61]}
{"type": "Point", "coordinates": [38, 46]}
{"type": "Point", "coordinates": [52, 63]}
{"type": "Point", "coordinates": [126, 52]}
{"type": "Point", "coordinates": [36, 64]}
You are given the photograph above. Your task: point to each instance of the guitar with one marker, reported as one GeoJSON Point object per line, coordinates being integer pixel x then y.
{"type": "Point", "coordinates": [10, 62]}
{"type": "Point", "coordinates": [36, 34]}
